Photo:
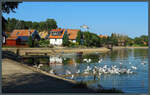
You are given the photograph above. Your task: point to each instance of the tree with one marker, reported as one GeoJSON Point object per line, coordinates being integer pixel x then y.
{"type": "Point", "coordinates": [30, 41]}
{"type": "Point", "coordinates": [91, 39]}
{"type": "Point", "coordinates": [79, 37]}
{"type": "Point", "coordinates": [66, 40]}
{"type": "Point", "coordinates": [7, 7]}
{"type": "Point", "coordinates": [21, 24]}
{"type": "Point", "coordinates": [50, 24]}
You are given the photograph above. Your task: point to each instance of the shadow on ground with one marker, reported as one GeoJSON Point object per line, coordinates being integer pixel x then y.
{"type": "Point", "coordinates": [34, 82]}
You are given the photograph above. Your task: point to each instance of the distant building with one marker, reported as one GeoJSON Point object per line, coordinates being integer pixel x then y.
{"type": "Point", "coordinates": [73, 33]}
{"type": "Point", "coordinates": [103, 36]}
{"type": "Point", "coordinates": [20, 37]}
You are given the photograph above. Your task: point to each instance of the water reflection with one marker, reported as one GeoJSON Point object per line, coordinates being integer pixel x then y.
{"type": "Point", "coordinates": [74, 65]}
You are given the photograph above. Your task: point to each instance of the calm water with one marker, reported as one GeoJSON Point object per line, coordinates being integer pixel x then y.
{"type": "Point", "coordinates": [128, 83]}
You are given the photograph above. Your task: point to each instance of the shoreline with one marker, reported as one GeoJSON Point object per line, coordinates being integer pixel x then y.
{"type": "Point", "coordinates": [53, 51]}
{"type": "Point", "coordinates": [116, 47]}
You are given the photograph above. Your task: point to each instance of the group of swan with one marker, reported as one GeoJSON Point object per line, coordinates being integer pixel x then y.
{"type": "Point", "coordinates": [107, 70]}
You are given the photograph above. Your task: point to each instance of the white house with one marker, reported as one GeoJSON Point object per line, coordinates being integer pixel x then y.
{"type": "Point", "coordinates": [56, 36]}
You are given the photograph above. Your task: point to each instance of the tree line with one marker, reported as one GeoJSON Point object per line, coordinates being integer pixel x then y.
{"type": "Point", "coordinates": [13, 23]}
{"type": "Point", "coordinates": [89, 39]}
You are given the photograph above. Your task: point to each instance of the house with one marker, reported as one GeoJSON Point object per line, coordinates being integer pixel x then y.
{"type": "Point", "coordinates": [103, 36]}
{"type": "Point", "coordinates": [44, 34]}
{"type": "Point", "coordinates": [72, 33]}
{"type": "Point", "coordinates": [20, 37]}
{"type": "Point", "coordinates": [56, 36]}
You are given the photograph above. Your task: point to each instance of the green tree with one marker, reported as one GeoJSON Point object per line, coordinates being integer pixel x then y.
{"type": "Point", "coordinates": [50, 24]}
{"type": "Point", "coordinates": [79, 37]}
{"type": "Point", "coordinates": [66, 41]}
{"type": "Point", "coordinates": [8, 7]}
{"type": "Point", "coordinates": [91, 39]}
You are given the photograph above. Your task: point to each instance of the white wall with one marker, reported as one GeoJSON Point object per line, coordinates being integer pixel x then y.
{"type": "Point", "coordinates": [55, 41]}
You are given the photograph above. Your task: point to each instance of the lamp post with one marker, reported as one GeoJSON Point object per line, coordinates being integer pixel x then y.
{"type": "Point", "coordinates": [86, 28]}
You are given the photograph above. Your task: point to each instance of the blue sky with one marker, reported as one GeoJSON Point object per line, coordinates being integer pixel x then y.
{"type": "Point", "coordinates": [130, 18]}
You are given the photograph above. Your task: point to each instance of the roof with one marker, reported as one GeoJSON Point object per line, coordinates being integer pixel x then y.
{"type": "Point", "coordinates": [72, 33]}
{"type": "Point", "coordinates": [22, 32]}
{"type": "Point", "coordinates": [57, 30]}
{"type": "Point", "coordinates": [43, 34]}
{"type": "Point", "coordinates": [12, 38]}
{"type": "Point", "coordinates": [103, 36]}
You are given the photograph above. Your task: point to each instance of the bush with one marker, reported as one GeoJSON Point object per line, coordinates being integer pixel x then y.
{"type": "Point", "coordinates": [44, 43]}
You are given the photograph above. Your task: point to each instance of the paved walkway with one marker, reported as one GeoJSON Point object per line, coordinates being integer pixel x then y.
{"type": "Point", "coordinates": [17, 78]}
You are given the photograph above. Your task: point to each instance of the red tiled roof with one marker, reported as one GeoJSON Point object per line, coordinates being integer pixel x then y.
{"type": "Point", "coordinates": [22, 33]}
{"type": "Point", "coordinates": [57, 30]}
{"type": "Point", "coordinates": [103, 36]}
{"type": "Point", "coordinates": [72, 33]}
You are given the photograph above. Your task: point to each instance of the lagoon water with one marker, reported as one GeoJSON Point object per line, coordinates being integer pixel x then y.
{"type": "Point", "coordinates": [122, 58]}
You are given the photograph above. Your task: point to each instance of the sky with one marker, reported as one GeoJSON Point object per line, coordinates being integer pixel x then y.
{"type": "Point", "coordinates": [128, 18]}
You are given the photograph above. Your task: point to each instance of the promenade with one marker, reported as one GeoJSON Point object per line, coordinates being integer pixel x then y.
{"type": "Point", "coordinates": [17, 78]}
